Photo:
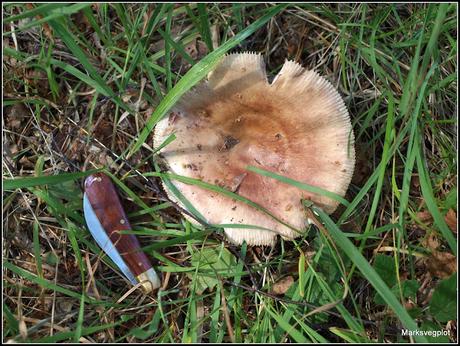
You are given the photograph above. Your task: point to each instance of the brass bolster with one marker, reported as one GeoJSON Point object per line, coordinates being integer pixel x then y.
{"type": "Point", "coordinates": [149, 280]}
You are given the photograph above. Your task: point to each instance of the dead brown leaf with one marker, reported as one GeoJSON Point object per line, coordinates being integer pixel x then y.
{"type": "Point", "coordinates": [80, 20]}
{"type": "Point", "coordinates": [441, 264]}
{"type": "Point", "coordinates": [451, 220]}
{"type": "Point", "coordinates": [26, 163]}
{"type": "Point", "coordinates": [431, 242]}
{"type": "Point", "coordinates": [425, 216]}
{"type": "Point", "coordinates": [283, 285]}
{"type": "Point", "coordinates": [46, 28]}
{"type": "Point", "coordinates": [37, 79]}
{"type": "Point", "coordinates": [15, 115]}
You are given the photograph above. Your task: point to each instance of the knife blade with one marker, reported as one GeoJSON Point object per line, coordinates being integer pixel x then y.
{"type": "Point", "coordinates": [105, 218]}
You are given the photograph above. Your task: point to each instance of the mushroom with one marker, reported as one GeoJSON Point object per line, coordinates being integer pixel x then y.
{"type": "Point", "coordinates": [297, 126]}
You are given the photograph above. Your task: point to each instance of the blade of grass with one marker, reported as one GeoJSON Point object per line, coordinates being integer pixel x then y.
{"type": "Point", "coordinates": [85, 331]}
{"type": "Point", "coordinates": [410, 160]}
{"type": "Point", "coordinates": [389, 136]}
{"type": "Point", "coordinates": [177, 47]}
{"type": "Point", "coordinates": [92, 21]}
{"type": "Point", "coordinates": [18, 183]}
{"type": "Point", "coordinates": [125, 20]}
{"type": "Point", "coordinates": [80, 75]}
{"type": "Point", "coordinates": [215, 329]}
{"type": "Point", "coordinates": [71, 42]}
{"type": "Point", "coordinates": [237, 13]}
{"type": "Point", "coordinates": [427, 192]}
{"type": "Point", "coordinates": [11, 322]}
{"type": "Point", "coordinates": [32, 12]}
{"type": "Point", "coordinates": [373, 178]}
{"type": "Point", "coordinates": [46, 284]}
{"type": "Point", "coordinates": [298, 184]}
{"type": "Point", "coordinates": [296, 335]}
{"type": "Point", "coordinates": [71, 232]}
{"type": "Point", "coordinates": [204, 25]}
{"type": "Point", "coordinates": [177, 240]}
{"type": "Point", "coordinates": [55, 206]}
{"type": "Point", "coordinates": [218, 189]}
{"type": "Point", "coordinates": [168, 49]}
{"type": "Point", "coordinates": [56, 12]}
{"type": "Point", "coordinates": [301, 270]}
{"type": "Point", "coordinates": [433, 42]}
{"type": "Point", "coordinates": [37, 254]}
{"type": "Point", "coordinates": [179, 196]}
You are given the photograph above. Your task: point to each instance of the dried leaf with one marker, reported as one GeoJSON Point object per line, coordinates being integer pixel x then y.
{"type": "Point", "coordinates": [441, 264]}
{"type": "Point", "coordinates": [46, 28]}
{"type": "Point", "coordinates": [283, 285]}
{"type": "Point", "coordinates": [15, 115]}
{"type": "Point", "coordinates": [80, 20]}
{"type": "Point", "coordinates": [23, 328]}
{"type": "Point", "coordinates": [425, 216]}
{"type": "Point", "coordinates": [26, 163]}
{"type": "Point", "coordinates": [451, 220]}
{"type": "Point", "coordinates": [431, 242]}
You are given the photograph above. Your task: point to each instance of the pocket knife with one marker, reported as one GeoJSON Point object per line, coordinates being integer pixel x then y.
{"type": "Point", "coordinates": [105, 218]}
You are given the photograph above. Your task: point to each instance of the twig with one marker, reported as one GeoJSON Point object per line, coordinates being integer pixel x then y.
{"type": "Point", "coordinates": [228, 322]}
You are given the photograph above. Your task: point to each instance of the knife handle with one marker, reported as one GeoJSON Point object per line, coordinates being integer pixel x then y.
{"type": "Point", "coordinates": [106, 204]}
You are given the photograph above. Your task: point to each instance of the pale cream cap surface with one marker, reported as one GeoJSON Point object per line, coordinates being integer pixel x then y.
{"type": "Point", "coordinates": [297, 126]}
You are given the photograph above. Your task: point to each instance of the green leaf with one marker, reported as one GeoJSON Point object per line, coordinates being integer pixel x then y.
{"type": "Point", "coordinates": [218, 189]}
{"type": "Point", "coordinates": [67, 191]}
{"type": "Point", "coordinates": [327, 264]}
{"type": "Point", "coordinates": [215, 313]}
{"type": "Point", "coordinates": [205, 25]}
{"type": "Point", "coordinates": [415, 312]}
{"type": "Point", "coordinates": [409, 289]}
{"type": "Point", "coordinates": [85, 331]}
{"type": "Point", "coordinates": [212, 262]}
{"type": "Point", "coordinates": [177, 240]}
{"type": "Point", "coordinates": [72, 43]}
{"type": "Point", "coordinates": [39, 166]}
{"type": "Point", "coordinates": [51, 258]}
{"type": "Point", "coordinates": [385, 267]}
{"type": "Point", "coordinates": [443, 305]}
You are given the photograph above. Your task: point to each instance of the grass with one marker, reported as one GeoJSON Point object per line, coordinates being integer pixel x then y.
{"type": "Point", "coordinates": [85, 84]}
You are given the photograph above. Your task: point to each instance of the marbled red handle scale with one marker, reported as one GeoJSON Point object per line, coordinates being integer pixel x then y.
{"type": "Point", "coordinates": [106, 204]}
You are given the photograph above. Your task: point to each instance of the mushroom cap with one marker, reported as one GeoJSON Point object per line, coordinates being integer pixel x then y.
{"type": "Point", "coordinates": [297, 126]}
